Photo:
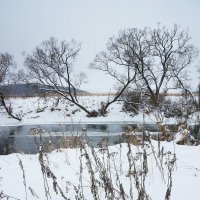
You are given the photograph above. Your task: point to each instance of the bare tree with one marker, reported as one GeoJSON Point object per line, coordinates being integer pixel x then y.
{"type": "Point", "coordinates": [6, 63]}
{"type": "Point", "coordinates": [198, 89]}
{"type": "Point", "coordinates": [155, 58]}
{"type": "Point", "coordinates": [52, 64]}
{"type": "Point", "coordinates": [115, 63]}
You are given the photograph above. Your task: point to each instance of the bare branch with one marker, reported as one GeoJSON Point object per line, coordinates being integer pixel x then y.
{"type": "Point", "coordinates": [52, 63]}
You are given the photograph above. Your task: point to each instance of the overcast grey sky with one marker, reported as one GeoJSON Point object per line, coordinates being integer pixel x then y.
{"type": "Point", "coordinates": [26, 23]}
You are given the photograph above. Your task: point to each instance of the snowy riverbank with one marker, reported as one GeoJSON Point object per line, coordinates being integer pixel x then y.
{"type": "Point", "coordinates": [65, 165]}
{"type": "Point", "coordinates": [34, 111]}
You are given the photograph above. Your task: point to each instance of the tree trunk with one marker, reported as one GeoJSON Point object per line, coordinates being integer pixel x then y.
{"type": "Point", "coordinates": [8, 109]}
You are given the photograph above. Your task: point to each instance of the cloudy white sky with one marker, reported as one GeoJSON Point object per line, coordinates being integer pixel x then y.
{"type": "Point", "coordinates": [26, 23]}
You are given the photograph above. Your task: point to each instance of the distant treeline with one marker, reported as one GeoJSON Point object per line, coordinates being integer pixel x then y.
{"type": "Point", "coordinates": [30, 90]}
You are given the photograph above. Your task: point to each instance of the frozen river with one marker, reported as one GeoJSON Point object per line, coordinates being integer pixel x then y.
{"type": "Point", "coordinates": [24, 139]}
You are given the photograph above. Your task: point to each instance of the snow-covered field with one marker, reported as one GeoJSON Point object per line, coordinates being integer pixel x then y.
{"type": "Point", "coordinates": [65, 165]}
{"type": "Point", "coordinates": [34, 111]}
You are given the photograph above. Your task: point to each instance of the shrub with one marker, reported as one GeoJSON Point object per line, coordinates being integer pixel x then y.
{"type": "Point", "coordinates": [131, 102]}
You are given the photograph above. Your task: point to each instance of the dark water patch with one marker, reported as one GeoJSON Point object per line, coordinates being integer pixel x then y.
{"type": "Point", "coordinates": [21, 139]}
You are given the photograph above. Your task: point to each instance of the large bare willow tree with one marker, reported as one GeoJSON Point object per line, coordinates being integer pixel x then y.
{"type": "Point", "coordinates": [116, 63]}
{"type": "Point", "coordinates": [51, 64]}
{"type": "Point", "coordinates": [154, 58]}
{"type": "Point", "coordinates": [7, 65]}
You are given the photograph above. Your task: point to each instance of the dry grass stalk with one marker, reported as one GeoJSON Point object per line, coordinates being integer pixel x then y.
{"type": "Point", "coordinates": [24, 177]}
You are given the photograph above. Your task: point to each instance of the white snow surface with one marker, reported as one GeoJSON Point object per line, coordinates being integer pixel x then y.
{"type": "Point", "coordinates": [28, 107]}
{"type": "Point", "coordinates": [65, 164]}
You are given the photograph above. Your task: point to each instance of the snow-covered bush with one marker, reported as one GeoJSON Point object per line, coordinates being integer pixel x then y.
{"type": "Point", "coordinates": [131, 102]}
{"type": "Point", "coordinates": [180, 108]}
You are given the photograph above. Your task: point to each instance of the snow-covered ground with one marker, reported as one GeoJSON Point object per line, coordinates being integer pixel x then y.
{"type": "Point", "coordinates": [65, 165]}
{"type": "Point", "coordinates": [65, 112]}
